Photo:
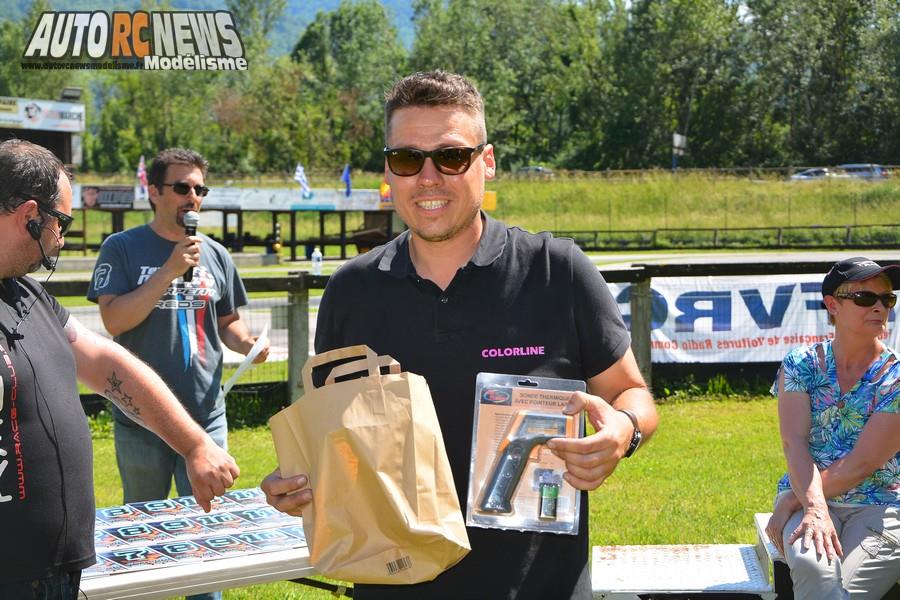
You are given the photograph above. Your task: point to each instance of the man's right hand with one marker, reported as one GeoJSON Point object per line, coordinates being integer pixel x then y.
{"type": "Point", "coordinates": [211, 471]}
{"type": "Point", "coordinates": [287, 495]}
{"type": "Point", "coordinates": [185, 254]}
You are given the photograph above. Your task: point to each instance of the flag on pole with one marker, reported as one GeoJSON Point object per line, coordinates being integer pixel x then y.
{"type": "Point", "coordinates": [345, 177]}
{"type": "Point", "coordinates": [300, 177]}
{"type": "Point", "coordinates": [142, 175]}
{"type": "Point", "coordinates": [140, 188]}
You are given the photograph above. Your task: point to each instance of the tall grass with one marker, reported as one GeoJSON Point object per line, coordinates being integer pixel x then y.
{"type": "Point", "coordinates": [710, 466]}
{"type": "Point", "coordinates": [663, 201]}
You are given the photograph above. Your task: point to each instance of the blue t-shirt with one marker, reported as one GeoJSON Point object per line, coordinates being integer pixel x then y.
{"type": "Point", "coordinates": [838, 420]}
{"type": "Point", "coordinates": [180, 338]}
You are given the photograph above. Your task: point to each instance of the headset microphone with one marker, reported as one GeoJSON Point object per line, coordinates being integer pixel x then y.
{"type": "Point", "coordinates": [35, 229]}
{"type": "Point", "coordinates": [45, 260]}
{"type": "Point", "coordinates": [191, 220]}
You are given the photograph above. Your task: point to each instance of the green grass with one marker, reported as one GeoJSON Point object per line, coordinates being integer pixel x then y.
{"type": "Point", "coordinates": [710, 466]}
{"type": "Point", "coordinates": [658, 200]}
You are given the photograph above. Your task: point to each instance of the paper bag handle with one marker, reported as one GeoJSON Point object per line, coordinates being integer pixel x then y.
{"type": "Point", "coordinates": [318, 360]}
{"type": "Point", "coordinates": [362, 365]}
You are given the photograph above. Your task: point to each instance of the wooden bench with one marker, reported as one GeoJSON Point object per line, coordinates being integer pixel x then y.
{"type": "Point", "coordinates": [769, 554]}
{"type": "Point", "coordinates": [727, 571]}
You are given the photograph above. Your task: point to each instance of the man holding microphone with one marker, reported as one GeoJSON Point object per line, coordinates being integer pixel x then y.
{"type": "Point", "coordinates": [170, 295]}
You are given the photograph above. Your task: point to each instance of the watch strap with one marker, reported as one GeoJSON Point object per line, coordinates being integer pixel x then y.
{"type": "Point", "coordinates": [636, 436]}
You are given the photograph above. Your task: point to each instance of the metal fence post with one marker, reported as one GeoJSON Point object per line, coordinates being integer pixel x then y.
{"type": "Point", "coordinates": [298, 332]}
{"type": "Point", "coordinates": [640, 326]}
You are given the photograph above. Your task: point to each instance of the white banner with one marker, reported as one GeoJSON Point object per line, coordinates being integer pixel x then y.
{"type": "Point", "coordinates": [47, 115]}
{"type": "Point", "coordinates": [735, 319]}
{"type": "Point", "coordinates": [235, 198]}
{"type": "Point", "coordinates": [292, 199]}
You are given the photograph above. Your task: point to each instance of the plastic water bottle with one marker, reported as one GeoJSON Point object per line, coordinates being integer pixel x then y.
{"type": "Point", "coordinates": [316, 261]}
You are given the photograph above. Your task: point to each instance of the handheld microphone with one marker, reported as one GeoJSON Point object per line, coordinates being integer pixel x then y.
{"type": "Point", "coordinates": [191, 220]}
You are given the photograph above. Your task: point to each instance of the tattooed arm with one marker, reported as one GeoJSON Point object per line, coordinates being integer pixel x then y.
{"type": "Point", "coordinates": [114, 393]}
{"type": "Point", "coordinates": [109, 369]}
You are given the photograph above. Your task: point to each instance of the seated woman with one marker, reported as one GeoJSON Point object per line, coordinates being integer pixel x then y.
{"type": "Point", "coordinates": [837, 515]}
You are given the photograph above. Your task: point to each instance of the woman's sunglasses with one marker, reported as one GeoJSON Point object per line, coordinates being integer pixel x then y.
{"type": "Point", "coordinates": [407, 162]}
{"type": "Point", "coordinates": [65, 221]}
{"type": "Point", "coordinates": [182, 189]}
{"type": "Point", "coordinates": [889, 300]}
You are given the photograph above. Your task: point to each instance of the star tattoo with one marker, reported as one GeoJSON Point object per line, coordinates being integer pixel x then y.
{"type": "Point", "coordinates": [115, 384]}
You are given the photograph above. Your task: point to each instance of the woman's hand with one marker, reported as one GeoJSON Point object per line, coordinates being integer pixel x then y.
{"type": "Point", "coordinates": [817, 529]}
{"type": "Point", "coordinates": [785, 506]}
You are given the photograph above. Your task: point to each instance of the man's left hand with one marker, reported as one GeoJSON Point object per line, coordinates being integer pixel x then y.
{"type": "Point", "coordinates": [211, 471]}
{"type": "Point", "coordinates": [264, 353]}
{"type": "Point", "coordinates": [590, 460]}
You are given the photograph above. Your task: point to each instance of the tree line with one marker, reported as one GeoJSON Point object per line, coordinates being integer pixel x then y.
{"type": "Point", "coordinates": [586, 85]}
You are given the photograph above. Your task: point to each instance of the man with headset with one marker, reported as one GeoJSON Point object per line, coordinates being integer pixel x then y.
{"type": "Point", "coordinates": [46, 479]}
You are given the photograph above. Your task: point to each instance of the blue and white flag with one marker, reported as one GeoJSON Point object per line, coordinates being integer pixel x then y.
{"type": "Point", "coordinates": [345, 177]}
{"type": "Point", "coordinates": [300, 177]}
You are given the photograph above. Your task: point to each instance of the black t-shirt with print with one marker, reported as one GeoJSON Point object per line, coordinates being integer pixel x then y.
{"type": "Point", "coordinates": [525, 304]}
{"type": "Point", "coordinates": [46, 477]}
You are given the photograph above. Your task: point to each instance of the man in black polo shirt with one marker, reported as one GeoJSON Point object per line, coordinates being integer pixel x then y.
{"type": "Point", "coordinates": [46, 479]}
{"type": "Point", "coordinates": [460, 293]}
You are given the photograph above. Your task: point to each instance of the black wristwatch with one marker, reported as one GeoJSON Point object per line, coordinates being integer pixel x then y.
{"type": "Point", "coordinates": [636, 437]}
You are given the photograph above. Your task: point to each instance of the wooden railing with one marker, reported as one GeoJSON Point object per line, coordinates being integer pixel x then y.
{"type": "Point", "coordinates": [810, 236]}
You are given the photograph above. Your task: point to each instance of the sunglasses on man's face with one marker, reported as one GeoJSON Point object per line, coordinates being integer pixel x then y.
{"type": "Point", "coordinates": [407, 162]}
{"type": "Point", "coordinates": [183, 189]}
{"type": "Point", "coordinates": [65, 221]}
{"type": "Point", "coordinates": [889, 300]}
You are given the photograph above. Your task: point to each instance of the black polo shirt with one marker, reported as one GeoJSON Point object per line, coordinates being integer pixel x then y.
{"type": "Point", "coordinates": [525, 304]}
{"type": "Point", "coordinates": [46, 460]}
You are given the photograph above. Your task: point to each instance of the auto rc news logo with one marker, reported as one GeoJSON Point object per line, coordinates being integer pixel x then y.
{"type": "Point", "coordinates": [157, 41]}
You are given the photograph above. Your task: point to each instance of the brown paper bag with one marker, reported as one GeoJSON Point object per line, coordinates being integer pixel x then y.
{"type": "Point", "coordinates": [384, 506]}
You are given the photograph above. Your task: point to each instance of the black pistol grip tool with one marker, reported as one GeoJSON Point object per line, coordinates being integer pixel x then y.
{"type": "Point", "coordinates": [527, 430]}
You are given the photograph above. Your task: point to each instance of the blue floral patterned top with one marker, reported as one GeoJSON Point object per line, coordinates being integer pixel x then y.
{"type": "Point", "coordinates": [837, 420]}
